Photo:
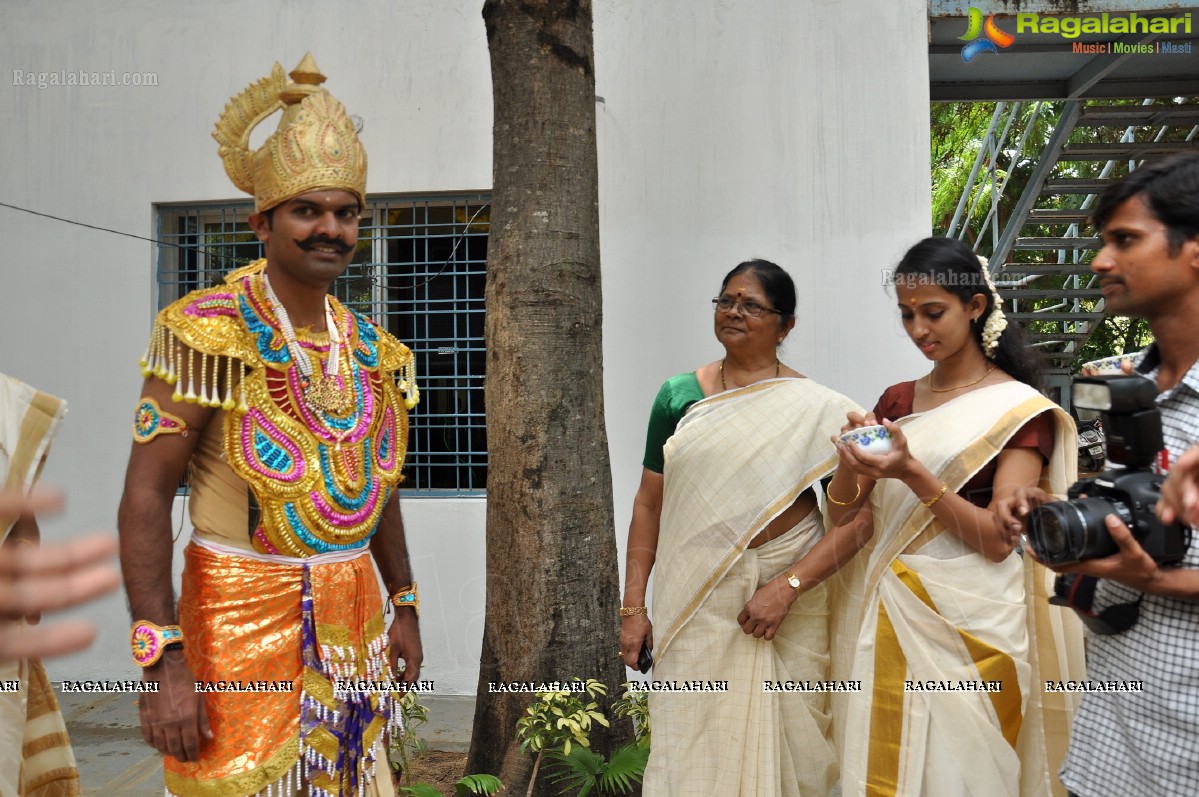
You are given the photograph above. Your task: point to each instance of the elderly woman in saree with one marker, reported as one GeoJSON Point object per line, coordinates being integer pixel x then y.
{"type": "Point", "coordinates": [727, 510]}
{"type": "Point", "coordinates": [942, 620]}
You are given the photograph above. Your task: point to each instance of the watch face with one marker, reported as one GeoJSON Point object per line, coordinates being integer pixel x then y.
{"type": "Point", "coordinates": [793, 581]}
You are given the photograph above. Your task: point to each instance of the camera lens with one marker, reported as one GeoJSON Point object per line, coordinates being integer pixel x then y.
{"type": "Point", "coordinates": [1071, 531]}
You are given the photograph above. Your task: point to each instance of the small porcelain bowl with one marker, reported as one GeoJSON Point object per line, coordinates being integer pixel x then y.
{"type": "Point", "coordinates": [871, 439]}
{"type": "Point", "coordinates": [1111, 366]}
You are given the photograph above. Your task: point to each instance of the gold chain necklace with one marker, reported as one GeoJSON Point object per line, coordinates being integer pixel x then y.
{"type": "Point", "coordinates": [723, 386]}
{"type": "Point", "coordinates": [958, 387]}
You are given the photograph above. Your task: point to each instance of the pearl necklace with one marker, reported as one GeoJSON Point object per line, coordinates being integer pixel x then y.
{"type": "Point", "coordinates": [321, 391]}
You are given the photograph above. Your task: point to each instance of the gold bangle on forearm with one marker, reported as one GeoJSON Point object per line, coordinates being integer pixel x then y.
{"type": "Point", "coordinates": [632, 611]}
{"type": "Point", "coordinates": [944, 489]}
{"type": "Point", "coordinates": [857, 494]}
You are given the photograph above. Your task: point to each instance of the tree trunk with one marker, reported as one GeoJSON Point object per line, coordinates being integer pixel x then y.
{"type": "Point", "coordinates": [552, 578]}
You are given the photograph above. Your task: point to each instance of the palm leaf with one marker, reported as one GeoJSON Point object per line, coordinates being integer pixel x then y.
{"type": "Point", "coordinates": [477, 784]}
{"type": "Point", "coordinates": [624, 769]}
{"type": "Point", "coordinates": [579, 769]}
{"type": "Point", "coordinates": [419, 790]}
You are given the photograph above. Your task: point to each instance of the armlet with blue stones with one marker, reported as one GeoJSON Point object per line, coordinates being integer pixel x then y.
{"type": "Point", "coordinates": [151, 420]}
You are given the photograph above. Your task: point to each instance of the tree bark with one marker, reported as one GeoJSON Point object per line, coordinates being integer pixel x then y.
{"type": "Point", "coordinates": [552, 576]}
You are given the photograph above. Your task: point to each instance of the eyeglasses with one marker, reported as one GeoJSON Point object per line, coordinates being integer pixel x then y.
{"type": "Point", "coordinates": [748, 307]}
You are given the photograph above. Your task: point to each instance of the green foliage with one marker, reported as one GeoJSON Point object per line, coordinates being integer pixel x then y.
{"type": "Point", "coordinates": [478, 784]}
{"type": "Point", "coordinates": [406, 747]}
{"type": "Point", "coordinates": [634, 704]}
{"type": "Point", "coordinates": [587, 771]}
{"type": "Point", "coordinates": [560, 719]}
{"type": "Point", "coordinates": [420, 790]}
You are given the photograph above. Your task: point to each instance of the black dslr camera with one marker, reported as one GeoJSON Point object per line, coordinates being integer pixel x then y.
{"type": "Point", "coordinates": [1071, 531]}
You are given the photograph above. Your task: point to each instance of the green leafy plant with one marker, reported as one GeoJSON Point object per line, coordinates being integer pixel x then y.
{"type": "Point", "coordinates": [634, 704]}
{"type": "Point", "coordinates": [558, 721]}
{"type": "Point", "coordinates": [557, 728]}
{"type": "Point", "coordinates": [588, 771]}
{"type": "Point", "coordinates": [408, 746]}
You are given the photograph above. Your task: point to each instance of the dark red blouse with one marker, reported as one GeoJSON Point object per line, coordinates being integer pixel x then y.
{"type": "Point", "coordinates": [896, 402]}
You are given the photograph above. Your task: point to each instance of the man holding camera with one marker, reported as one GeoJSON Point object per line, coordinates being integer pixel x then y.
{"type": "Point", "coordinates": [1145, 744]}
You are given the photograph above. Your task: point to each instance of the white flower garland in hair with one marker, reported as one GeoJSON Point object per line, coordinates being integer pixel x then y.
{"type": "Point", "coordinates": [996, 321]}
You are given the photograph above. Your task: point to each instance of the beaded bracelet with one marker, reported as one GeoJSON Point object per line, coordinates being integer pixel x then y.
{"type": "Point", "coordinates": [408, 596]}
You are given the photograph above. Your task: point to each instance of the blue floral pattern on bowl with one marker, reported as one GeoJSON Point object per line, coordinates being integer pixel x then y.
{"type": "Point", "coordinates": [872, 439]}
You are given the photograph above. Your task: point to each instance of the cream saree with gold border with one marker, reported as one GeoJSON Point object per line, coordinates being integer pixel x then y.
{"type": "Point", "coordinates": [35, 754]}
{"type": "Point", "coordinates": [919, 608]}
{"type": "Point", "coordinates": [735, 462]}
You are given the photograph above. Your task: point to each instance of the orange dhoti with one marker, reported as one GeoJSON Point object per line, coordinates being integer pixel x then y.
{"type": "Point", "coordinates": [291, 657]}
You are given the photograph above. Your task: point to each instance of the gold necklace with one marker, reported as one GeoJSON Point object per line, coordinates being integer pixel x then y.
{"type": "Point", "coordinates": [958, 387]}
{"type": "Point", "coordinates": [723, 386]}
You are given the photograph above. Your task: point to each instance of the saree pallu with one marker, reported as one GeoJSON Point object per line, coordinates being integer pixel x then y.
{"type": "Point", "coordinates": [736, 461]}
{"type": "Point", "coordinates": [952, 649]}
{"type": "Point", "coordinates": [35, 753]}
{"type": "Point", "coordinates": [295, 628]}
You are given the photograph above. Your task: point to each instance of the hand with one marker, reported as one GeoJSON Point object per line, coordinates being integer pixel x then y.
{"type": "Point", "coordinates": [1130, 566]}
{"type": "Point", "coordinates": [173, 719]}
{"type": "Point", "coordinates": [1180, 493]}
{"type": "Point", "coordinates": [403, 639]}
{"type": "Point", "coordinates": [35, 580]}
{"type": "Point", "coordinates": [1013, 510]}
{"type": "Point", "coordinates": [895, 464]}
{"type": "Point", "coordinates": [857, 420]}
{"type": "Point", "coordinates": [767, 609]}
{"type": "Point", "coordinates": [635, 631]}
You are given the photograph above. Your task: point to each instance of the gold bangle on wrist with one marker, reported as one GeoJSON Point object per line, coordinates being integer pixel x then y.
{"type": "Point", "coordinates": [632, 611]}
{"type": "Point", "coordinates": [944, 489]}
{"type": "Point", "coordinates": [857, 494]}
{"type": "Point", "coordinates": [408, 596]}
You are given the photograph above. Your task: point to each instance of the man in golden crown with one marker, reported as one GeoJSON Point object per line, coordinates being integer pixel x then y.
{"type": "Point", "coordinates": [274, 670]}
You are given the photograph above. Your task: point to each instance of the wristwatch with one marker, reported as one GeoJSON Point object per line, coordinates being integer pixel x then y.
{"type": "Point", "coordinates": [793, 580]}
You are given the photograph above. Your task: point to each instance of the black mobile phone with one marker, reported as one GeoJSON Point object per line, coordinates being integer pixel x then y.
{"type": "Point", "coordinates": [645, 659]}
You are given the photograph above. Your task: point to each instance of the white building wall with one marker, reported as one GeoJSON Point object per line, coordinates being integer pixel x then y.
{"type": "Point", "coordinates": [751, 128]}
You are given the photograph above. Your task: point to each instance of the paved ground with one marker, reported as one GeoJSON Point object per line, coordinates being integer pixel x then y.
{"type": "Point", "coordinates": [114, 762]}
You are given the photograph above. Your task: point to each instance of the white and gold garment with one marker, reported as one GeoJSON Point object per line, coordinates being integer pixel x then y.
{"type": "Point", "coordinates": [35, 754]}
{"type": "Point", "coordinates": [952, 649]}
{"type": "Point", "coordinates": [736, 461]}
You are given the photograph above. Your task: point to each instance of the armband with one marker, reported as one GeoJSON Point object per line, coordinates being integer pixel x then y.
{"type": "Point", "coordinates": [408, 596]}
{"type": "Point", "coordinates": [151, 420]}
{"type": "Point", "coordinates": [148, 641]}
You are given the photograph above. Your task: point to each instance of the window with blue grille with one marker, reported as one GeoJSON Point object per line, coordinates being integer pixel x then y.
{"type": "Point", "coordinates": [419, 271]}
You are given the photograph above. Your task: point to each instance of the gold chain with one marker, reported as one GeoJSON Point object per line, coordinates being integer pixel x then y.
{"type": "Point", "coordinates": [958, 387]}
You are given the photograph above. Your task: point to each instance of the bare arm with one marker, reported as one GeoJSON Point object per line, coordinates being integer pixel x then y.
{"type": "Point", "coordinates": [173, 720]}
{"type": "Point", "coordinates": [641, 552]}
{"type": "Point", "coordinates": [390, 550]}
{"type": "Point", "coordinates": [979, 528]}
{"type": "Point", "coordinates": [771, 603]}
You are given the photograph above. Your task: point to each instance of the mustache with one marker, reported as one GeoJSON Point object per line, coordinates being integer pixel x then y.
{"type": "Point", "coordinates": [313, 240]}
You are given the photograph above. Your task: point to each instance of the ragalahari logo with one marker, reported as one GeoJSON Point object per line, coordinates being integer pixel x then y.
{"type": "Point", "coordinates": [983, 37]}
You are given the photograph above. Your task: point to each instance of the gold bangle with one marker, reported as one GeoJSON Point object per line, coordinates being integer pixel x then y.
{"type": "Point", "coordinates": [408, 596]}
{"type": "Point", "coordinates": [632, 611]}
{"type": "Point", "coordinates": [851, 501]}
{"type": "Point", "coordinates": [937, 497]}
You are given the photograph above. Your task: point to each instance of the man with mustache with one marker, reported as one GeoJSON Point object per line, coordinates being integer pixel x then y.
{"type": "Point", "coordinates": [1145, 744]}
{"type": "Point", "coordinates": [289, 412]}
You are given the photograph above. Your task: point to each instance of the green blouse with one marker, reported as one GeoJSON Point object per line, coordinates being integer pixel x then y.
{"type": "Point", "coordinates": [674, 399]}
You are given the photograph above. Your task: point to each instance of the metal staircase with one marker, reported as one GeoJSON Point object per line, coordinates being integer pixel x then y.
{"type": "Point", "coordinates": [1040, 258]}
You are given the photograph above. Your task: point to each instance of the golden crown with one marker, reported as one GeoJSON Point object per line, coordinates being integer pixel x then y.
{"type": "Point", "coordinates": [315, 145]}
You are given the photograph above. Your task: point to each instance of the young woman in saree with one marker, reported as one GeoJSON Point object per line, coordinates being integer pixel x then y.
{"type": "Point", "coordinates": [727, 510]}
{"type": "Point", "coordinates": [940, 617]}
